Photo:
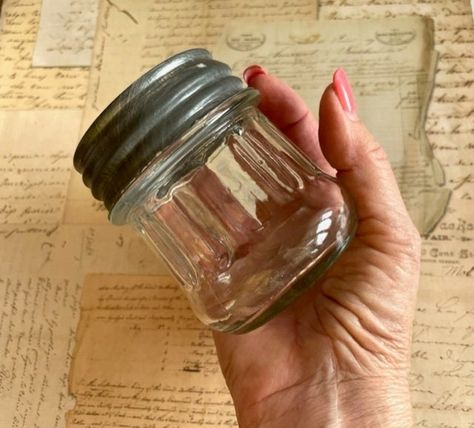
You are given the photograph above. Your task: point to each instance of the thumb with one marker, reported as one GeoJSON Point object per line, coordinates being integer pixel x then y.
{"type": "Point", "coordinates": [361, 163]}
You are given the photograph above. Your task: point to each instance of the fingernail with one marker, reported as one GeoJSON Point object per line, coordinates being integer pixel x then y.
{"type": "Point", "coordinates": [344, 93]}
{"type": "Point", "coordinates": [253, 71]}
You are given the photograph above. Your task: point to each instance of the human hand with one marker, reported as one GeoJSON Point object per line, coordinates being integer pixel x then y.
{"type": "Point", "coordinates": [339, 355]}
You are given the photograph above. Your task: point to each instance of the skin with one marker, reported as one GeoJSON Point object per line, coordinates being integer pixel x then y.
{"type": "Point", "coordinates": [340, 355]}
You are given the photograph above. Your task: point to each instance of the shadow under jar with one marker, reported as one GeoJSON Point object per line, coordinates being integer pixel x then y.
{"type": "Point", "coordinates": [244, 220]}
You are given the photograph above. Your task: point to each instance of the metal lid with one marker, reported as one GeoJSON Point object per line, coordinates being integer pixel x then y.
{"type": "Point", "coordinates": [148, 117]}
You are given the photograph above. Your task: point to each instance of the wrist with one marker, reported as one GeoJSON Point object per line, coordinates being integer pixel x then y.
{"type": "Point", "coordinates": [378, 402]}
{"type": "Point", "coordinates": [382, 402]}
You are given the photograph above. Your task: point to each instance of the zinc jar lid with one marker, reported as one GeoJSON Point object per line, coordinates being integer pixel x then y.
{"type": "Point", "coordinates": [150, 115]}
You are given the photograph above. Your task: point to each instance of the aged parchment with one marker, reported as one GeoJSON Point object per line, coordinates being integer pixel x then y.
{"type": "Point", "coordinates": [23, 86]}
{"type": "Point", "coordinates": [42, 265]}
{"type": "Point", "coordinates": [66, 33]}
{"type": "Point", "coordinates": [42, 269]}
{"type": "Point", "coordinates": [46, 262]}
{"type": "Point", "coordinates": [35, 164]}
{"type": "Point", "coordinates": [36, 344]}
{"type": "Point", "coordinates": [443, 354]}
{"type": "Point", "coordinates": [142, 359]}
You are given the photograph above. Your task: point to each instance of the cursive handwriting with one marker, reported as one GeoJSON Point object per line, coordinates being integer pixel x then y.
{"type": "Point", "coordinates": [66, 33]}
{"type": "Point", "coordinates": [23, 86]}
{"type": "Point", "coordinates": [166, 371]}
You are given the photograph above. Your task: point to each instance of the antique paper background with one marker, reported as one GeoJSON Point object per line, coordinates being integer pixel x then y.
{"type": "Point", "coordinates": [52, 235]}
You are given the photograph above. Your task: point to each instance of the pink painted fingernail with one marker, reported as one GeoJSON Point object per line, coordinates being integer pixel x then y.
{"type": "Point", "coordinates": [253, 71]}
{"type": "Point", "coordinates": [344, 93]}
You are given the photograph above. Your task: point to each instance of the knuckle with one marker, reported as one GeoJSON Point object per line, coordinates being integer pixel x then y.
{"type": "Point", "coordinates": [377, 153]}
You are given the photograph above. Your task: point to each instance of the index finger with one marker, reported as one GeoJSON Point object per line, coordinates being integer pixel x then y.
{"type": "Point", "coordinates": [288, 112]}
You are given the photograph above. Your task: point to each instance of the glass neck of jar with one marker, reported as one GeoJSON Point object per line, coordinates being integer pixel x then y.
{"type": "Point", "coordinates": [187, 153]}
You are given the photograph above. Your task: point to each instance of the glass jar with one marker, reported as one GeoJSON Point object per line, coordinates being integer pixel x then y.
{"type": "Point", "coordinates": [243, 219]}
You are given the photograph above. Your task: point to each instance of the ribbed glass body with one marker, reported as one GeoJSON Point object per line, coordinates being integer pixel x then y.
{"type": "Point", "coordinates": [243, 219]}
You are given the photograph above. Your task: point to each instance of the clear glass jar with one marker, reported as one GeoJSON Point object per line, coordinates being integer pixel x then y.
{"type": "Point", "coordinates": [244, 220]}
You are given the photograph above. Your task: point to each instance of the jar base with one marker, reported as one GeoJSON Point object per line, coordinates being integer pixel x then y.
{"type": "Point", "coordinates": [306, 281]}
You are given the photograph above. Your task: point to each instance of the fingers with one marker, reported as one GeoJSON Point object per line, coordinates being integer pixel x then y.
{"type": "Point", "coordinates": [344, 145]}
{"type": "Point", "coordinates": [362, 165]}
{"type": "Point", "coordinates": [288, 112]}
